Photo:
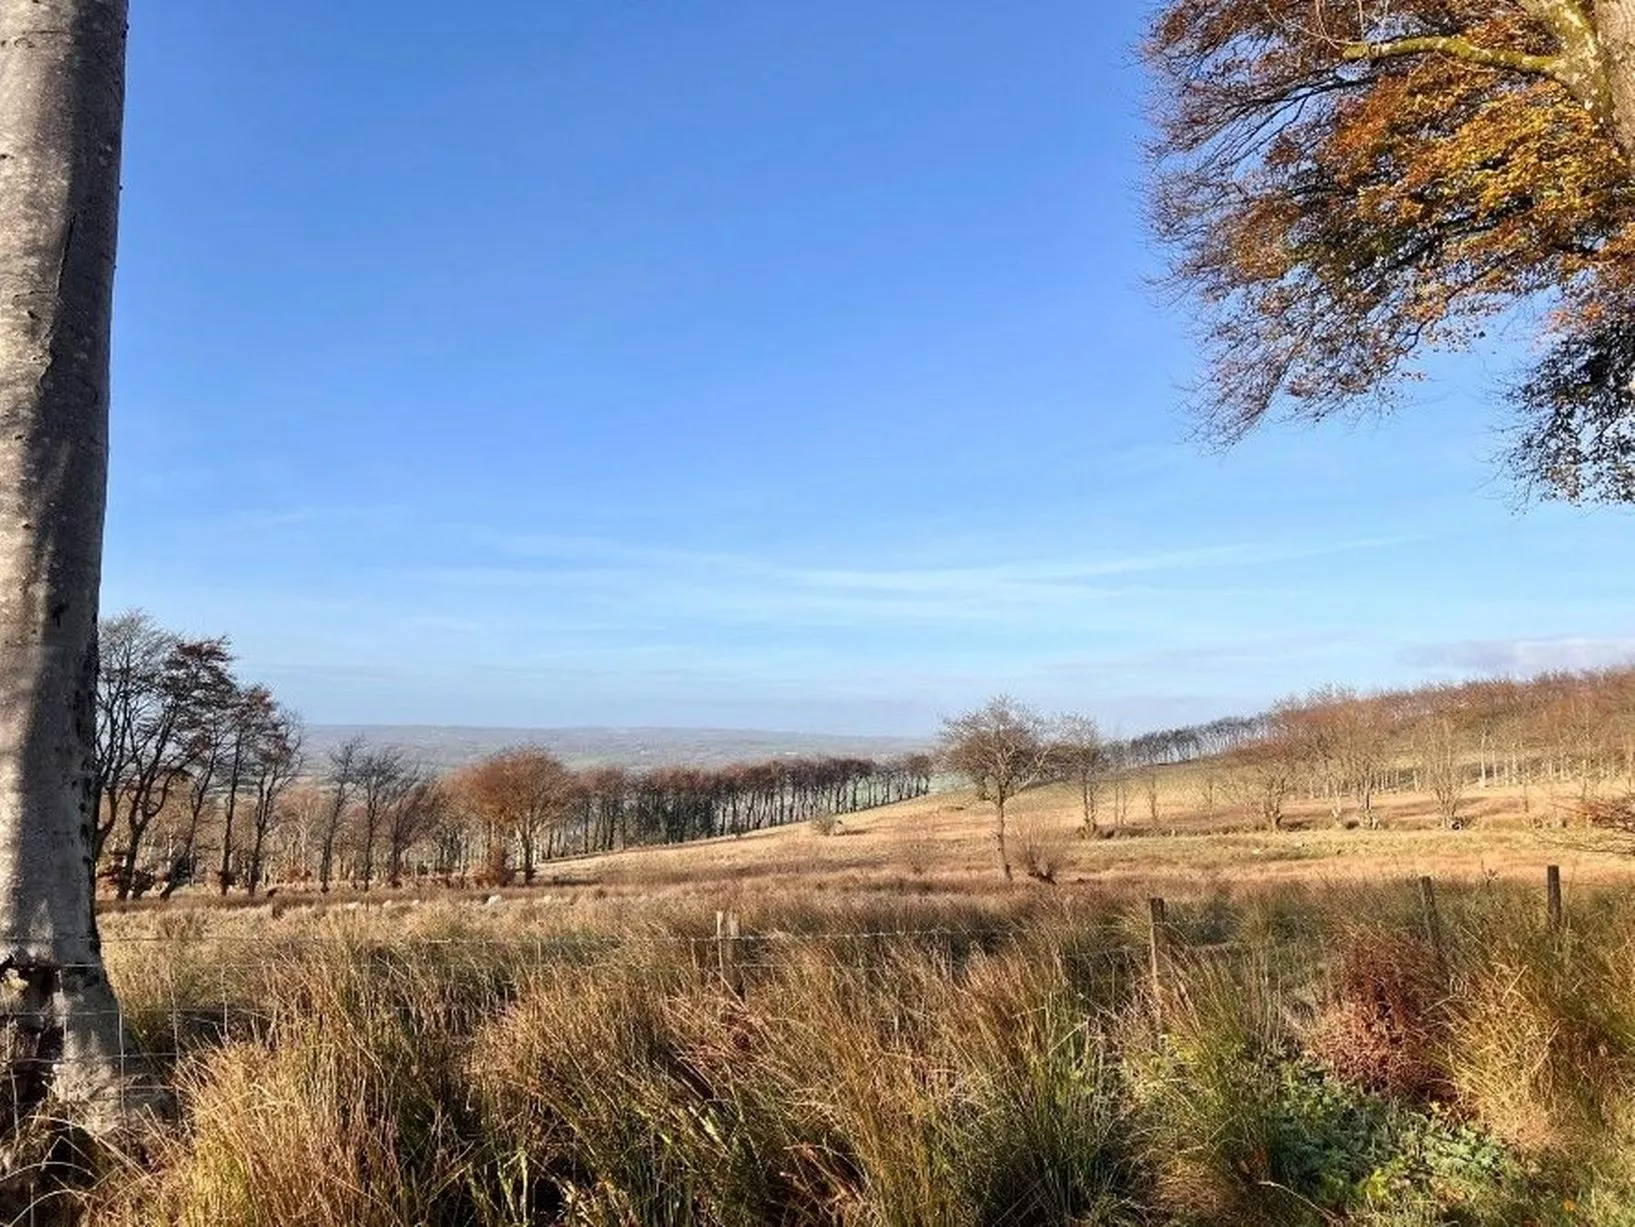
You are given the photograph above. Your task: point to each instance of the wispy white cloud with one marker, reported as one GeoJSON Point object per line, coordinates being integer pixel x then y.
{"type": "Point", "coordinates": [328, 517]}
{"type": "Point", "coordinates": [739, 588]}
{"type": "Point", "coordinates": [1520, 656]}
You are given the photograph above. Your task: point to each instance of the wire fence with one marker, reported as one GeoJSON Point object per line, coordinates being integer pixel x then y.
{"type": "Point", "coordinates": [193, 992]}
{"type": "Point", "coordinates": [205, 987]}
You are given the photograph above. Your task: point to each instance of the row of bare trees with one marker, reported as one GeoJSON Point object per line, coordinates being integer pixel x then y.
{"type": "Point", "coordinates": [1570, 734]}
{"type": "Point", "coordinates": [182, 743]}
{"type": "Point", "coordinates": [371, 815]}
{"type": "Point", "coordinates": [514, 810]}
{"type": "Point", "coordinates": [202, 778]}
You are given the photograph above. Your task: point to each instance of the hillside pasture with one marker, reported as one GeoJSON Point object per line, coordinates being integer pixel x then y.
{"type": "Point", "coordinates": [943, 844]}
{"type": "Point", "coordinates": [899, 1036]}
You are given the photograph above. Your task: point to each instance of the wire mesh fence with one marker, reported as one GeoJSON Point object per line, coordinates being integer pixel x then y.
{"type": "Point", "coordinates": [185, 991]}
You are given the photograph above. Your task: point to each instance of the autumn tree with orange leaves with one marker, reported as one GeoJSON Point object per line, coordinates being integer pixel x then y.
{"type": "Point", "coordinates": [520, 793]}
{"type": "Point", "coordinates": [1346, 185]}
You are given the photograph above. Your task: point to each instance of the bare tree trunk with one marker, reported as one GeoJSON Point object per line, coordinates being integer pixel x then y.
{"type": "Point", "coordinates": [61, 114]}
{"type": "Point", "coordinates": [999, 836]}
{"type": "Point", "coordinates": [224, 875]}
{"type": "Point", "coordinates": [1087, 806]}
{"type": "Point", "coordinates": [1615, 30]}
{"type": "Point", "coordinates": [333, 814]}
{"type": "Point", "coordinates": [258, 843]}
{"type": "Point", "coordinates": [371, 821]}
{"type": "Point", "coordinates": [188, 855]}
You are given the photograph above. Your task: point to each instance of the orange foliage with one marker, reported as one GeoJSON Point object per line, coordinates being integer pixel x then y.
{"type": "Point", "coordinates": [1346, 186]}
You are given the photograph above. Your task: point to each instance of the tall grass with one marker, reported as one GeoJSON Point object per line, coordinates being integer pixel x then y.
{"type": "Point", "coordinates": [1302, 1059]}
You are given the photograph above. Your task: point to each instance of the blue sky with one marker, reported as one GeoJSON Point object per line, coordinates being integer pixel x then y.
{"type": "Point", "coordinates": [736, 363]}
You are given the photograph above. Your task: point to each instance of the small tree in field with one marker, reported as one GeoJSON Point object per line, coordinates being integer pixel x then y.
{"type": "Point", "coordinates": [1267, 768]}
{"type": "Point", "coordinates": [1364, 749]}
{"type": "Point", "coordinates": [1437, 741]}
{"type": "Point", "coordinates": [1001, 748]}
{"type": "Point", "coordinates": [346, 762]}
{"type": "Point", "coordinates": [1078, 755]}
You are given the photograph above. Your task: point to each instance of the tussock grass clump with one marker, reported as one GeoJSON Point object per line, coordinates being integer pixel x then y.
{"type": "Point", "coordinates": [1542, 1045]}
{"type": "Point", "coordinates": [1385, 1027]}
{"type": "Point", "coordinates": [1249, 1127]}
{"type": "Point", "coordinates": [970, 1097]}
{"type": "Point", "coordinates": [885, 1061]}
{"type": "Point", "coordinates": [347, 1104]}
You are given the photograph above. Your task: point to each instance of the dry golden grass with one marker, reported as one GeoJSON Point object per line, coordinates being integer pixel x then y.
{"type": "Point", "coordinates": [960, 1060]}
{"type": "Point", "coordinates": [941, 847]}
{"type": "Point", "coordinates": [943, 844]}
{"type": "Point", "coordinates": [916, 1041]}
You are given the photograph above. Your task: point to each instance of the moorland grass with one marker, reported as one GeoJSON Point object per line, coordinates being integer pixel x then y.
{"type": "Point", "coordinates": [1303, 1057]}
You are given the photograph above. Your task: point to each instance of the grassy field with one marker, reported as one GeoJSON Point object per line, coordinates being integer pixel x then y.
{"type": "Point", "coordinates": [900, 1038]}
{"type": "Point", "coordinates": [1302, 1056]}
{"type": "Point", "coordinates": [944, 844]}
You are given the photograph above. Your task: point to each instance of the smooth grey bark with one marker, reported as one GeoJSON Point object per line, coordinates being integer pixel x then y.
{"type": "Point", "coordinates": [61, 111]}
{"type": "Point", "coordinates": [1615, 28]}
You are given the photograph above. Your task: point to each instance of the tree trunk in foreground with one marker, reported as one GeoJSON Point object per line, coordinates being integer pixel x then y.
{"type": "Point", "coordinates": [62, 1041]}
{"type": "Point", "coordinates": [1615, 29]}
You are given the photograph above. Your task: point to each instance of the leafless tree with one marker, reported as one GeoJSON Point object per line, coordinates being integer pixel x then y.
{"type": "Point", "coordinates": [1364, 748]}
{"type": "Point", "coordinates": [275, 763]}
{"type": "Point", "coordinates": [345, 762]}
{"type": "Point", "coordinates": [1001, 748]}
{"type": "Point", "coordinates": [132, 649]}
{"type": "Point", "coordinates": [251, 713]}
{"type": "Point", "coordinates": [1121, 799]}
{"type": "Point", "coordinates": [1149, 789]}
{"type": "Point", "coordinates": [1079, 755]}
{"type": "Point", "coordinates": [1266, 770]}
{"type": "Point", "coordinates": [1209, 783]}
{"type": "Point", "coordinates": [1314, 724]}
{"type": "Point", "coordinates": [415, 814]}
{"type": "Point", "coordinates": [384, 777]}
{"type": "Point", "coordinates": [158, 697]}
{"type": "Point", "coordinates": [1438, 745]}
{"type": "Point", "coordinates": [210, 736]}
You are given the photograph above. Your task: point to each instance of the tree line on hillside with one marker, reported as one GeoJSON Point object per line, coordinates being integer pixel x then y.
{"type": "Point", "coordinates": [1567, 735]}
{"type": "Point", "coordinates": [204, 779]}
{"type": "Point", "coordinates": [1571, 734]}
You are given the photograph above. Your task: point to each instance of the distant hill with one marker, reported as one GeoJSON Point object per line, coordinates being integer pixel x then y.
{"type": "Point", "coordinates": [452, 746]}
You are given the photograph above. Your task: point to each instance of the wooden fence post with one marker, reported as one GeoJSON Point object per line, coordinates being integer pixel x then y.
{"type": "Point", "coordinates": [1552, 895]}
{"type": "Point", "coordinates": [728, 948]}
{"type": "Point", "coordinates": [1433, 923]}
{"type": "Point", "coordinates": [1157, 917]}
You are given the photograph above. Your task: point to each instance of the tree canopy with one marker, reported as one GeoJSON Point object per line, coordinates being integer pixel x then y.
{"type": "Point", "coordinates": [1346, 185]}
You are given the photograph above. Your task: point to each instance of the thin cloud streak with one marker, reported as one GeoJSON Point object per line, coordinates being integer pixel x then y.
{"type": "Point", "coordinates": [1520, 656]}
{"type": "Point", "coordinates": [655, 584]}
{"type": "Point", "coordinates": [611, 553]}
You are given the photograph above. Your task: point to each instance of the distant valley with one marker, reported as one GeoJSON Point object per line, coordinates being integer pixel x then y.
{"type": "Point", "coordinates": [453, 745]}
